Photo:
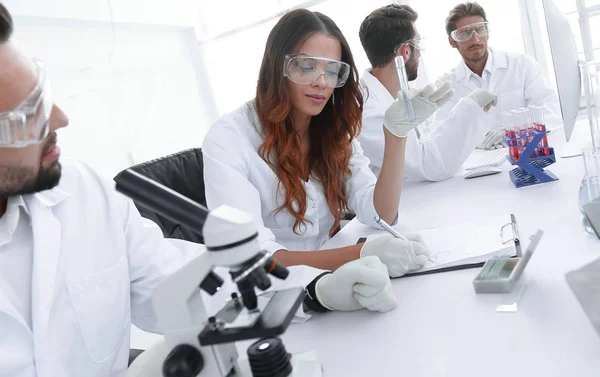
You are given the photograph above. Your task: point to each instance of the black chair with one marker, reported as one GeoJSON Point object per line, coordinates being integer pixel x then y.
{"type": "Point", "coordinates": [182, 172]}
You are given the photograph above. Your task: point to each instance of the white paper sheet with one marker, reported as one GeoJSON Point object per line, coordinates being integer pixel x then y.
{"type": "Point", "coordinates": [465, 243]}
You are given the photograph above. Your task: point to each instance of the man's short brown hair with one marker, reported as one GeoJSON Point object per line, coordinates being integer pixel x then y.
{"type": "Point", "coordinates": [384, 29]}
{"type": "Point", "coordinates": [461, 11]}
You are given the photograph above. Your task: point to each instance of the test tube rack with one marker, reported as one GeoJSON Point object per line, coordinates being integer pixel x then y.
{"type": "Point", "coordinates": [530, 168]}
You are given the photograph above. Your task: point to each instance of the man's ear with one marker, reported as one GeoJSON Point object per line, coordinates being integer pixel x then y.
{"type": "Point", "coordinates": [452, 42]}
{"type": "Point", "coordinates": [404, 51]}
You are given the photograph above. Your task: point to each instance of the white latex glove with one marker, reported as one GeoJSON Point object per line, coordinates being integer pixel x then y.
{"type": "Point", "coordinates": [425, 102]}
{"type": "Point", "coordinates": [494, 139]}
{"type": "Point", "coordinates": [486, 100]}
{"type": "Point", "coordinates": [362, 283]}
{"type": "Point", "coordinates": [398, 255]}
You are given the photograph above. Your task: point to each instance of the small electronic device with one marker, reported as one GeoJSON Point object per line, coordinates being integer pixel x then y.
{"type": "Point", "coordinates": [482, 172]}
{"type": "Point", "coordinates": [592, 212]}
{"type": "Point", "coordinates": [500, 275]}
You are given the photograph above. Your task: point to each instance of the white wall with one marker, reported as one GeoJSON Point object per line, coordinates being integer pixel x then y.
{"type": "Point", "coordinates": [153, 12]}
{"type": "Point", "coordinates": [130, 97]}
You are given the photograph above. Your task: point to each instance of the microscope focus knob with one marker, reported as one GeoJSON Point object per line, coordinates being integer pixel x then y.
{"type": "Point", "coordinates": [183, 361]}
{"type": "Point", "coordinates": [269, 358]}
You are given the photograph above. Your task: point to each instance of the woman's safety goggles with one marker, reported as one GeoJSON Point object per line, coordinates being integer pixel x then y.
{"type": "Point", "coordinates": [463, 34]}
{"type": "Point", "coordinates": [306, 69]}
{"type": "Point", "coordinates": [28, 123]}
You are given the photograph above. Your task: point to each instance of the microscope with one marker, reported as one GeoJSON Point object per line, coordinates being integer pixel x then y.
{"type": "Point", "coordinates": [203, 346]}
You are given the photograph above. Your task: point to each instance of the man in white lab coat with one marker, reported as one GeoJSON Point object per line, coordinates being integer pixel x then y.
{"type": "Point", "coordinates": [516, 78]}
{"type": "Point", "coordinates": [77, 262]}
{"type": "Point", "coordinates": [389, 32]}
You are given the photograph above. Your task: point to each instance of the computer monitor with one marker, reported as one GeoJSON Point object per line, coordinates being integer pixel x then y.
{"type": "Point", "coordinates": [566, 65]}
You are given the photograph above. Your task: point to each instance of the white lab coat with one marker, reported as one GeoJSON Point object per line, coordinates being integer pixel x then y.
{"type": "Point", "coordinates": [96, 262]}
{"type": "Point", "coordinates": [236, 175]}
{"type": "Point", "coordinates": [435, 157]}
{"type": "Point", "coordinates": [95, 265]}
{"type": "Point", "coordinates": [516, 79]}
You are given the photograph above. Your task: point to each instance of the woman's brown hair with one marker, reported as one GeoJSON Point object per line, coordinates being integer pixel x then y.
{"type": "Point", "coordinates": [331, 132]}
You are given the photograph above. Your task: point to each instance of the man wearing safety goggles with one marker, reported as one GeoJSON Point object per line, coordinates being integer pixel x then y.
{"type": "Point", "coordinates": [517, 79]}
{"type": "Point", "coordinates": [387, 33]}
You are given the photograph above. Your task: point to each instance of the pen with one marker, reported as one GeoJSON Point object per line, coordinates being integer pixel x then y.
{"type": "Point", "coordinates": [513, 221]}
{"type": "Point", "coordinates": [395, 233]}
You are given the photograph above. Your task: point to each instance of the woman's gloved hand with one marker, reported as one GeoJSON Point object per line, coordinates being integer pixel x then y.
{"type": "Point", "coordinates": [425, 102]}
{"type": "Point", "coordinates": [398, 255]}
{"type": "Point", "coordinates": [362, 283]}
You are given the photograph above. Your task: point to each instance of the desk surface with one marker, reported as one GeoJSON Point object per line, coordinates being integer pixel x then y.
{"type": "Point", "coordinates": [441, 327]}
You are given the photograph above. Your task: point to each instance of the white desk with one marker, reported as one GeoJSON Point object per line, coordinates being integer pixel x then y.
{"type": "Point", "coordinates": [441, 327]}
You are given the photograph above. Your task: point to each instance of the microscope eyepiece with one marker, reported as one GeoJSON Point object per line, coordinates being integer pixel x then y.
{"type": "Point", "coordinates": [276, 269]}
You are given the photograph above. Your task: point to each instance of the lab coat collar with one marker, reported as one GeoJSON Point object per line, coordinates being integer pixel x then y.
{"type": "Point", "coordinates": [496, 60]}
{"type": "Point", "coordinates": [19, 202]}
{"type": "Point", "coordinates": [10, 219]}
{"type": "Point", "coordinates": [375, 88]}
{"type": "Point", "coordinates": [51, 198]}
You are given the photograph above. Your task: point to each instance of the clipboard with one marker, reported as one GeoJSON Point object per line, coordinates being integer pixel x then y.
{"type": "Point", "coordinates": [509, 233]}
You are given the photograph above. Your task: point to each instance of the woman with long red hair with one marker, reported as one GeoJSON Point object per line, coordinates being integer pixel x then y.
{"type": "Point", "coordinates": [291, 159]}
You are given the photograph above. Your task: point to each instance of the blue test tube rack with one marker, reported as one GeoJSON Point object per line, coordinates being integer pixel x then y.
{"type": "Point", "coordinates": [530, 168]}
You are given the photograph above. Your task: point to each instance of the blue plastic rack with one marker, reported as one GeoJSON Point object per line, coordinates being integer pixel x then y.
{"type": "Point", "coordinates": [530, 170]}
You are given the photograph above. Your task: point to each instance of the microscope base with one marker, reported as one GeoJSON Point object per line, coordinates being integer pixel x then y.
{"type": "Point", "coordinates": [303, 365]}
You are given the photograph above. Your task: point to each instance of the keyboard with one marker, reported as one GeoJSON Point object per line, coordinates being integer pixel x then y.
{"type": "Point", "coordinates": [490, 158]}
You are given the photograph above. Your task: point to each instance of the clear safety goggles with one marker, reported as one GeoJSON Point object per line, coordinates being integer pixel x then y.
{"type": "Point", "coordinates": [418, 43]}
{"type": "Point", "coordinates": [306, 69]}
{"type": "Point", "coordinates": [28, 123]}
{"type": "Point", "coordinates": [463, 34]}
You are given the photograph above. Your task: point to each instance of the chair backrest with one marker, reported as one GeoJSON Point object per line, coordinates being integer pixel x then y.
{"type": "Point", "coordinates": [182, 172]}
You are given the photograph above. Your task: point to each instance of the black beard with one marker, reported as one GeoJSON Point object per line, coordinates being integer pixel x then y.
{"type": "Point", "coordinates": [412, 69]}
{"type": "Point", "coordinates": [18, 180]}
{"type": "Point", "coordinates": [46, 179]}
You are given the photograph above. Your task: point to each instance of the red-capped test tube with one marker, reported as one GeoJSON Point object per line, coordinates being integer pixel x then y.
{"type": "Point", "coordinates": [511, 131]}
{"type": "Point", "coordinates": [539, 125]}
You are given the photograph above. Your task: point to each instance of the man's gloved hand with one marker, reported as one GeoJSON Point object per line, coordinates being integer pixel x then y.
{"type": "Point", "coordinates": [362, 283]}
{"type": "Point", "coordinates": [425, 102]}
{"type": "Point", "coordinates": [486, 100]}
{"type": "Point", "coordinates": [398, 255]}
{"type": "Point", "coordinates": [494, 139]}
